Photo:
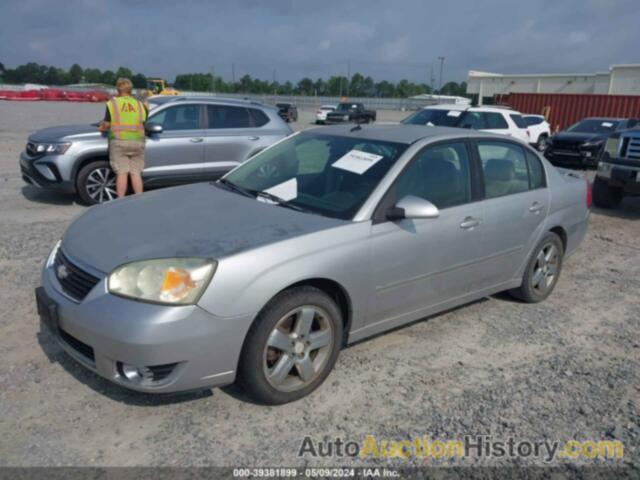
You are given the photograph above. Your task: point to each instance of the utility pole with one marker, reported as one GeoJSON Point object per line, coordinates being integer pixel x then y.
{"type": "Point", "coordinates": [348, 76]}
{"type": "Point", "coordinates": [233, 73]}
{"type": "Point", "coordinates": [274, 81]}
{"type": "Point", "coordinates": [213, 79]}
{"type": "Point", "coordinates": [441, 67]}
{"type": "Point", "coordinates": [433, 80]}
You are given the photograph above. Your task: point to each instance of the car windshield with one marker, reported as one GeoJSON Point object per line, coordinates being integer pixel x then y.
{"type": "Point", "coordinates": [324, 174]}
{"type": "Point", "coordinates": [345, 107]}
{"type": "Point", "coordinates": [594, 126]}
{"type": "Point", "coordinates": [437, 117]}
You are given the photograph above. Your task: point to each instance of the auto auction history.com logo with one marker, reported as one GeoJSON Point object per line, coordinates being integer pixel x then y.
{"type": "Point", "coordinates": [470, 446]}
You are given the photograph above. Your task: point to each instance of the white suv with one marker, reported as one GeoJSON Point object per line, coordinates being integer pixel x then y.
{"type": "Point", "coordinates": [488, 119]}
{"type": "Point", "coordinates": [539, 129]}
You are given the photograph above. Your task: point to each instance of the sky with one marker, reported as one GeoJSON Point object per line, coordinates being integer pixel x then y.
{"type": "Point", "coordinates": [289, 39]}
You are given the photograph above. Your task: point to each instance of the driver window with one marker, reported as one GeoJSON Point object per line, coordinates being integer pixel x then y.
{"type": "Point", "coordinates": [179, 117]}
{"type": "Point", "coordinates": [439, 174]}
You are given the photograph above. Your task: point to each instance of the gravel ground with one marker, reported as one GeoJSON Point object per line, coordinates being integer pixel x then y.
{"type": "Point", "coordinates": [568, 368]}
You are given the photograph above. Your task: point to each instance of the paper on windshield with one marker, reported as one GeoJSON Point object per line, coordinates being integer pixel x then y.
{"type": "Point", "coordinates": [454, 113]}
{"type": "Point", "coordinates": [357, 162]}
{"type": "Point", "coordinates": [286, 190]}
{"type": "Point", "coordinates": [607, 124]}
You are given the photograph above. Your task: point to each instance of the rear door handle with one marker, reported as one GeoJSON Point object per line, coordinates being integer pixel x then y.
{"type": "Point", "coordinates": [253, 139]}
{"type": "Point", "coordinates": [469, 223]}
{"type": "Point", "coordinates": [535, 207]}
{"type": "Point", "coordinates": [195, 140]}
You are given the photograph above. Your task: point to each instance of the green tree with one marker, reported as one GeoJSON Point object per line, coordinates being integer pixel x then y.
{"type": "Point", "coordinates": [124, 72]}
{"type": "Point", "coordinates": [75, 73]}
{"type": "Point", "coordinates": [305, 86]}
{"type": "Point", "coordinates": [108, 77]}
{"type": "Point", "coordinates": [138, 80]}
{"type": "Point", "coordinates": [93, 75]}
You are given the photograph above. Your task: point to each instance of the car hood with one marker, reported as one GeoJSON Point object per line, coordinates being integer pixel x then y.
{"type": "Point", "coordinates": [200, 220]}
{"type": "Point", "coordinates": [571, 137]}
{"type": "Point", "coordinates": [65, 132]}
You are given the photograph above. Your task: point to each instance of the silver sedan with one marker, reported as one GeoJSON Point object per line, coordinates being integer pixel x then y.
{"type": "Point", "coordinates": [325, 238]}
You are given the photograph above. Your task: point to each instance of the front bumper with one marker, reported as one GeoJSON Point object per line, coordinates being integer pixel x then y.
{"type": "Point", "coordinates": [621, 173]}
{"type": "Point", "coordinates": [42, 172]}
{"type": "Point", "coordinates": [105, 333]}
{"type": "Point", "coordinates": [582, 157]}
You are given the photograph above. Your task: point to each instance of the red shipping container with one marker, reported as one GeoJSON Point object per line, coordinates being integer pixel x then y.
{"type": "Point", "coordinates": [565, 109]}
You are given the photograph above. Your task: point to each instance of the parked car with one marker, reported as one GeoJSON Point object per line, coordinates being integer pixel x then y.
{"type": "Point", "coordinates": [581, 144]}
{"type": "Point", "coordinates": [189, 139]}
{"type": "Point", "coordinates": [618, 173]}
{"type": "Point", "coordinates": [498, 120]}
{"type": "Point", "coordinates": [539, 130]}
{"type": "Point", "coordinates": [321, 114]}
{"type": "Point", "coordinates": [347, 112]}
{"type": "Point", "coordinates": [324, 239]}
{"type": "Point", "coordinates": [288, 112]}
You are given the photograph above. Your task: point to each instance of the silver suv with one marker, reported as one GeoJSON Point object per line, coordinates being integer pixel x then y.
{"type": "Point", "coordinates": [189, 139]}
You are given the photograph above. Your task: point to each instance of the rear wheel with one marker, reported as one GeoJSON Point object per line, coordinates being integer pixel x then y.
{"type": "Point", "coordinates": [96, 183]}
{"type": "Point", "coordinates": [292, 347]}
{"type": "Point", "coordinates": [605, 196]}
{"type": "Point", "coordinates": [543, 270]}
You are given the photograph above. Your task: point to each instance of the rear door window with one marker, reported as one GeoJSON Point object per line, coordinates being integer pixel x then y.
{"type": "Point", "coordinates": [504, 167]}
{"type": "Point", "coordinates": [258, 117]}
{"type": "Point", "coordinates": [495, 121]}
{"type": "Point", "coordinates": [537, 178]}
{"type": "Point", "coordinates": [226, 116]}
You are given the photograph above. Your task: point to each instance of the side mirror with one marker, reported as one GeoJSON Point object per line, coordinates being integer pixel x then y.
{"type": "Point", "coordinates": [152, 128]}
{"type": "Point", "coordinates": [413, 207]}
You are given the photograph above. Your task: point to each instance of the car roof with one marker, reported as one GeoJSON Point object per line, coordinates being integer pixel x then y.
{"type": "Point", "coordinates": [604, 119]}
{"type": "Point", "coordinates": [406, 134]}
{"type": "Point", "coordinates": [532, 115]}
{"type": "Point", "coordinates": [209, 99]}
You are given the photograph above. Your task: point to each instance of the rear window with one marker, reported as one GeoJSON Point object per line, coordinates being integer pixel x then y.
{"type": "Point", "coordinates": [437, 117]}
{"type": "Point", "coordinates": [518, 120]}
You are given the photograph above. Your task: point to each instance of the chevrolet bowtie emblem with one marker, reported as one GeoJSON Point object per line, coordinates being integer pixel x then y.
{"type": "Point", "coordinates": [62, 272]}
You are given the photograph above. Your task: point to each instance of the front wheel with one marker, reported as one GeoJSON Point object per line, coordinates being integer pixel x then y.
{"type": "Point", "coordinates": [292, 346]}
{"type": "Point", "coordinates": [605, 196]}
{"type": "Point", "coordinates": [96, 183]}
{"type": "Point", "coordinates": [543, 270]}
{"type": "Point", "coordinates": [541, 144]}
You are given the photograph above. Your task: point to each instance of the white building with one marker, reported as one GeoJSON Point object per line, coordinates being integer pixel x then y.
{"type": "Point", "coordinates": [619, 80]}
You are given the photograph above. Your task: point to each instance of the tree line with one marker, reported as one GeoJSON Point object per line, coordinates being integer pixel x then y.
{"type": "Point", "coordinates": [356, 86]}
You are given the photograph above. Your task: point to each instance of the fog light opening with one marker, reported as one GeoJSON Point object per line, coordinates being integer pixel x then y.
{"type": "Point", "coordinates": [134, 374]}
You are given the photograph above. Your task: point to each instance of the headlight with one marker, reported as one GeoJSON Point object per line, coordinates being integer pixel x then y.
{"type": "Point", "coordinates": [171, 281]}
{"type": "Point", "coordinates": [612, 146]}
{"type": "Point", "coordinates": [595, 143]}
{"type": "Point", "coordinates": [345, 117]}
{"type": "Point", "coordinates": [52, 148]}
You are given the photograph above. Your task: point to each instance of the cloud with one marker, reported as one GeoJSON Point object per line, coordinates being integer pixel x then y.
{"type": "Point", "coordinates": [317, 39]}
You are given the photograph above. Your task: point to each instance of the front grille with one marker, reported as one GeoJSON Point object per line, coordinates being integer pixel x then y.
{"type": "Point", "coordinates": [633, 149]}
{"type": "Point", "coordinates": [74, 281]}
{"type": "Point", "coordinates": [80, 347]}
{"type": "Point", "coordinates": [567, 146]}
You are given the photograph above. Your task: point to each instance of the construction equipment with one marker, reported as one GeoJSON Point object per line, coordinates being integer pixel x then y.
{"type": "Point", "coordinates": [157, 86]}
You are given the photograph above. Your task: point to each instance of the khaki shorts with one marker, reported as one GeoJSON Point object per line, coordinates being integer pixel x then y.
{"type": "Point", "coordinates": [126, 156]}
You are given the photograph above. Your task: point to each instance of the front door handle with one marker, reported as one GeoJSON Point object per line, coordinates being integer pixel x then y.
{"type": "Point", "coordinates": [469, 223]}
{"type": "Point", "coordinates": [253, 139]}
{"type": "Point", "coordinates": [195, 140]}
{"type": "Point", "coordinates": [535, 207]}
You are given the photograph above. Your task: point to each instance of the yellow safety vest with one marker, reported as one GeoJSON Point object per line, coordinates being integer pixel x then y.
{"type": "Point", "coordinates": [127, 118]}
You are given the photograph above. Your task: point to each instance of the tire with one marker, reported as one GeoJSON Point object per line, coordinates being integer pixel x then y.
{"type": "Point", "coordinates": [605, 196]}
{"type": "Point", "coordinates": [96, 183]}
{"type": "Point", "coordinates": [273, 377]}
{"type": "Point", "coordinates": [543, 270]}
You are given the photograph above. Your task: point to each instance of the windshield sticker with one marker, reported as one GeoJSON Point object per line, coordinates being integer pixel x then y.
{"type": "Point", "coordinates": [286, 191]}
{"type": "Point", "coordinates": [607, 124]}
{"type": "Point", "coordinates": [357, 162]}
{"type": "Point", "coordinates": [454, 113]}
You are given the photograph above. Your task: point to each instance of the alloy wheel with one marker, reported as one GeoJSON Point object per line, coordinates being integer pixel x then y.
{"type": "Point", "coordinates": [298, 348]}
{"type": "Point", "coordinates": [545, 269]}
{"type": "Point", "coordinates": [101, 185]}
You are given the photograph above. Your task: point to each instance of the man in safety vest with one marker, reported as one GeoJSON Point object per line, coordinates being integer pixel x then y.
{"type": "Point", "coordinates": [124, 120]}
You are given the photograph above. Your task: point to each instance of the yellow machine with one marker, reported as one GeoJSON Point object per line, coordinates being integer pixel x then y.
{"type": "Point", "coordinates": [157, 86]}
